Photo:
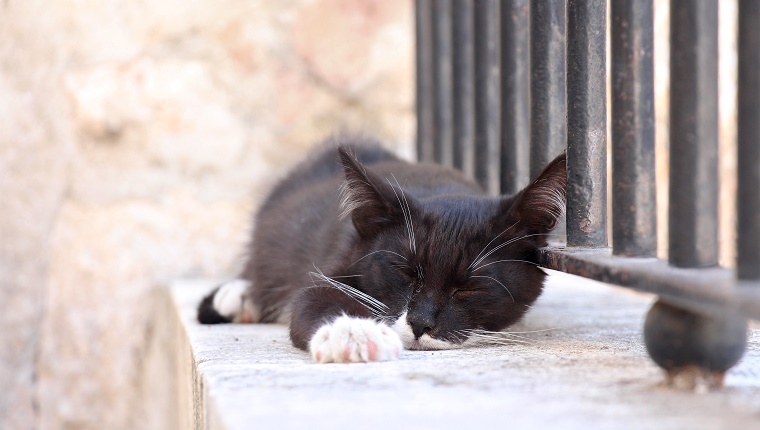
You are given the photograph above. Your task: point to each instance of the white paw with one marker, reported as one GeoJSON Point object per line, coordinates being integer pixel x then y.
{"type": "Point", "coordinates": [231, 301]}
{"type": "Point", "coordinates": [353, 340]}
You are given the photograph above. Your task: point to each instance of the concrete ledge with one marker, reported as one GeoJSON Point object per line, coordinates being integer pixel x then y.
{"type": "Point", "coordinates": [585, 368]}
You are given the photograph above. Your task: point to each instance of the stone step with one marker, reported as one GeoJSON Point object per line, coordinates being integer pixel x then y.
{"type": "Point", "coordinates": [583, 366]}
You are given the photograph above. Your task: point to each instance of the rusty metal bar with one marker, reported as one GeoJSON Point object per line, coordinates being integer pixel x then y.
{"type": "Point", "coordinates": [711, 290]}
{"type": "Point", "coordinates": [548, 113]}
{"type": "Point", "coordinates": [634, 195]}
{"type": "Point", "coordinates": [586, 123]}
{"type": "Point", "coordinates": [443, 150]}
{"type": "Point", "coordinates": [425, 90]}
{"type": "Point", "coordinates": [487, 94]}
{"type": "Point", "coordinates": [748, 199]}
{"type": "Point", "coordinates": [515, 96]}
{"type": "Point", "coordinates": [464, 86]}
{"type": "Point", "coordinates": [693, 216]}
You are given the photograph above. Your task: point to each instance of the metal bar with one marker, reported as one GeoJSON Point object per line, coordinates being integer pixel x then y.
{"type": "Point", "coordinates": [708, 290]}
{"type": "Point", "coordinates": [424, 96]}
{"type": "Point", "coordinates": [634, 195]}
{"type": "Point", "coordinates": [587, 123]}
{"type": "Point", "coordinates": [443, 149]}
{"type": "Point", "coordinates": [515, 96]}
{"type": "Point", "coordinates": [548, 113]}
{"type": "Point", "coordinates": [748, 198]}
{"type": "Point", "coordinates": [487, 94]}
{"type": "Point", "coordinates": [693, 216]}
{"type": "Point", "coordinates": [464, 86]}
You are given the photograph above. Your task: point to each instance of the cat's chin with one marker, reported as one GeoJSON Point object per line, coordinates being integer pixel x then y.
{"type": "Point", "coordinates": [427, 343]}
{"type": "Point", "coordinates": [424, 342]}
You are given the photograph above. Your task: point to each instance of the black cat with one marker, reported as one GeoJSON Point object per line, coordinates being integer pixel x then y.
{"type": "Point", "coordinates": [364, 254]}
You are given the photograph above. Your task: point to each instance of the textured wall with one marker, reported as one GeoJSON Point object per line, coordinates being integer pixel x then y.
{"type": "Point", "coordinates": [135, 138]}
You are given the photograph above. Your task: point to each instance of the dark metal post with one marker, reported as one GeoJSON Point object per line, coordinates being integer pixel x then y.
{"type": "Point", "coordinates": [748, 199]}
{"type": "Point", "coordinates": [587, 123]}
{"type": "Point", "coordinates": [693, 216]}
{"type": "Point", "coordinates": [425, 96]}
{"type": "Point", "coordinates": [487, 94]}
{"type": "Point", "coordinates": [442, 80]}
{"type": "Point", "coordinates": [634, 196]}
{"type": "Point", "coordinates": [464, 86]}
{"type": "Point", "coordinates": [548, 114]}
{"type": "Point", "coordinates": [515, 96]}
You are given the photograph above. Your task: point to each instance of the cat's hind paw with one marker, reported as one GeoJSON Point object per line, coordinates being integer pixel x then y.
{"type": "Point", "coordinates": [227, 303]}
{"type": "Point", "coordinates": [354, 340]}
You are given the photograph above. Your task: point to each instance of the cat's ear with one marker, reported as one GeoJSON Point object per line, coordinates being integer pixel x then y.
{"type": "Point", "coordinates": [540, 205]}
{"type": "Point", "coordinates": [372, 203]}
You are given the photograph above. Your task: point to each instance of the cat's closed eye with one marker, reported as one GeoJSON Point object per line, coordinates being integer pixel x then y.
{"type": "Point", "coordinates": [407, 272]}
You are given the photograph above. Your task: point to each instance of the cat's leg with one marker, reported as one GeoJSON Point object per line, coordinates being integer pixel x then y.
{"type": "Point", "coordinates": [229, 302]}
{"type": "Point", "coordinates": [335, 328]}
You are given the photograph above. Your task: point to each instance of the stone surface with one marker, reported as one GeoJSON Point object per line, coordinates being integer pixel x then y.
{"type": "Point", "coordinates": [581, 364]}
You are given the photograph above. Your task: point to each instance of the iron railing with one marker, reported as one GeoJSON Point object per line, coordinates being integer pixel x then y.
{"type": "Point", "coordinates": [503, 86]}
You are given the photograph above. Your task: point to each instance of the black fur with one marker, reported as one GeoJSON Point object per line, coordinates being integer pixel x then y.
{"type": "Point", "coordinates": [413, 233]}
{"type": "Point", "coordinates": [206, 312]}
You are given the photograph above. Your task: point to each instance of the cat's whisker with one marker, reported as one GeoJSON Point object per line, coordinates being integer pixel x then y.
{"type": "Point", "coordinates": [489, 244]}
{"type": "Point", "coordinates": [509, 333]}
{"type": "Point", "coordinates": [534, 331]}
{"type": "Point", "coordinates": [376, 307]}
{"type": "Point", "coordinates": [504, 261]}
{"type": "Point", "coordinates": [408, 216]}
{"type": "Point", "coordinates": [497, 281]}
{"type": "Point", "coordinates": [499, 340]}
{"type": "Point", "coordinates": [526, 236]}
{"type": "Point", "coordinates": [375, 252]}
{"type": "Point", "coordinates": [509, 242]}
{"type": "Point", "coordinates": [500, 334]}
{"type": "Point", "coordinates": [407, 213]}
{"type": "Point", "coordinates": [360, 297]}
{"type": "Point", "coordinates": [495, 339]}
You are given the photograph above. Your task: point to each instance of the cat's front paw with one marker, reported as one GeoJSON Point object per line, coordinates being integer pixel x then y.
{"type": "Point", "coordinates": [354, 340]}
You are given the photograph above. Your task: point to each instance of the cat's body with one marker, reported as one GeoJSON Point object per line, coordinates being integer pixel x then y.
{"type": "Point", "coordinates": [362, 252]}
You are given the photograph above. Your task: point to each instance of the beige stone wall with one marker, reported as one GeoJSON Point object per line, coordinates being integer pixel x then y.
{"type": "Point", "coordinates": [135, 138]}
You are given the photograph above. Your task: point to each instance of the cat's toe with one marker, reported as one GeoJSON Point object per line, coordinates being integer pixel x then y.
{"type": "Point", "coordinates": [354, 340]}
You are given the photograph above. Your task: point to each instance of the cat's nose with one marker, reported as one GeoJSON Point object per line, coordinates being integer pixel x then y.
{"type": "Point", "coordinates": [421, 324]}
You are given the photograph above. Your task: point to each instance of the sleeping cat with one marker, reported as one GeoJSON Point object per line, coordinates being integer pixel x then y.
{"type": "Point", "coordinates": [365, 254]}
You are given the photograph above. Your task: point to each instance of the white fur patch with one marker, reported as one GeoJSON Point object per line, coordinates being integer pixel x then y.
{"type": "Point", "coordinates": [404, 331]}
{"type": "Point", "coordinates": [231, 301]}
{"type": "Point", "coordinates": [425, 342]}
{"type": "Point", "coordinates": [354, 340]}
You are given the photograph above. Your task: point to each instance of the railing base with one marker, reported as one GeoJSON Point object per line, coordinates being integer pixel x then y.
{"type": "Point", "coordinates": [708, 291]}
{"type": "Point", "coordinates": [698, 328]}
{"type": "Point", "coordinates": [695, 351]}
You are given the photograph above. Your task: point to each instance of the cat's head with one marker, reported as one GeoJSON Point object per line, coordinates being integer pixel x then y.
{"type": "Point", "coordinates": [447, 266]}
